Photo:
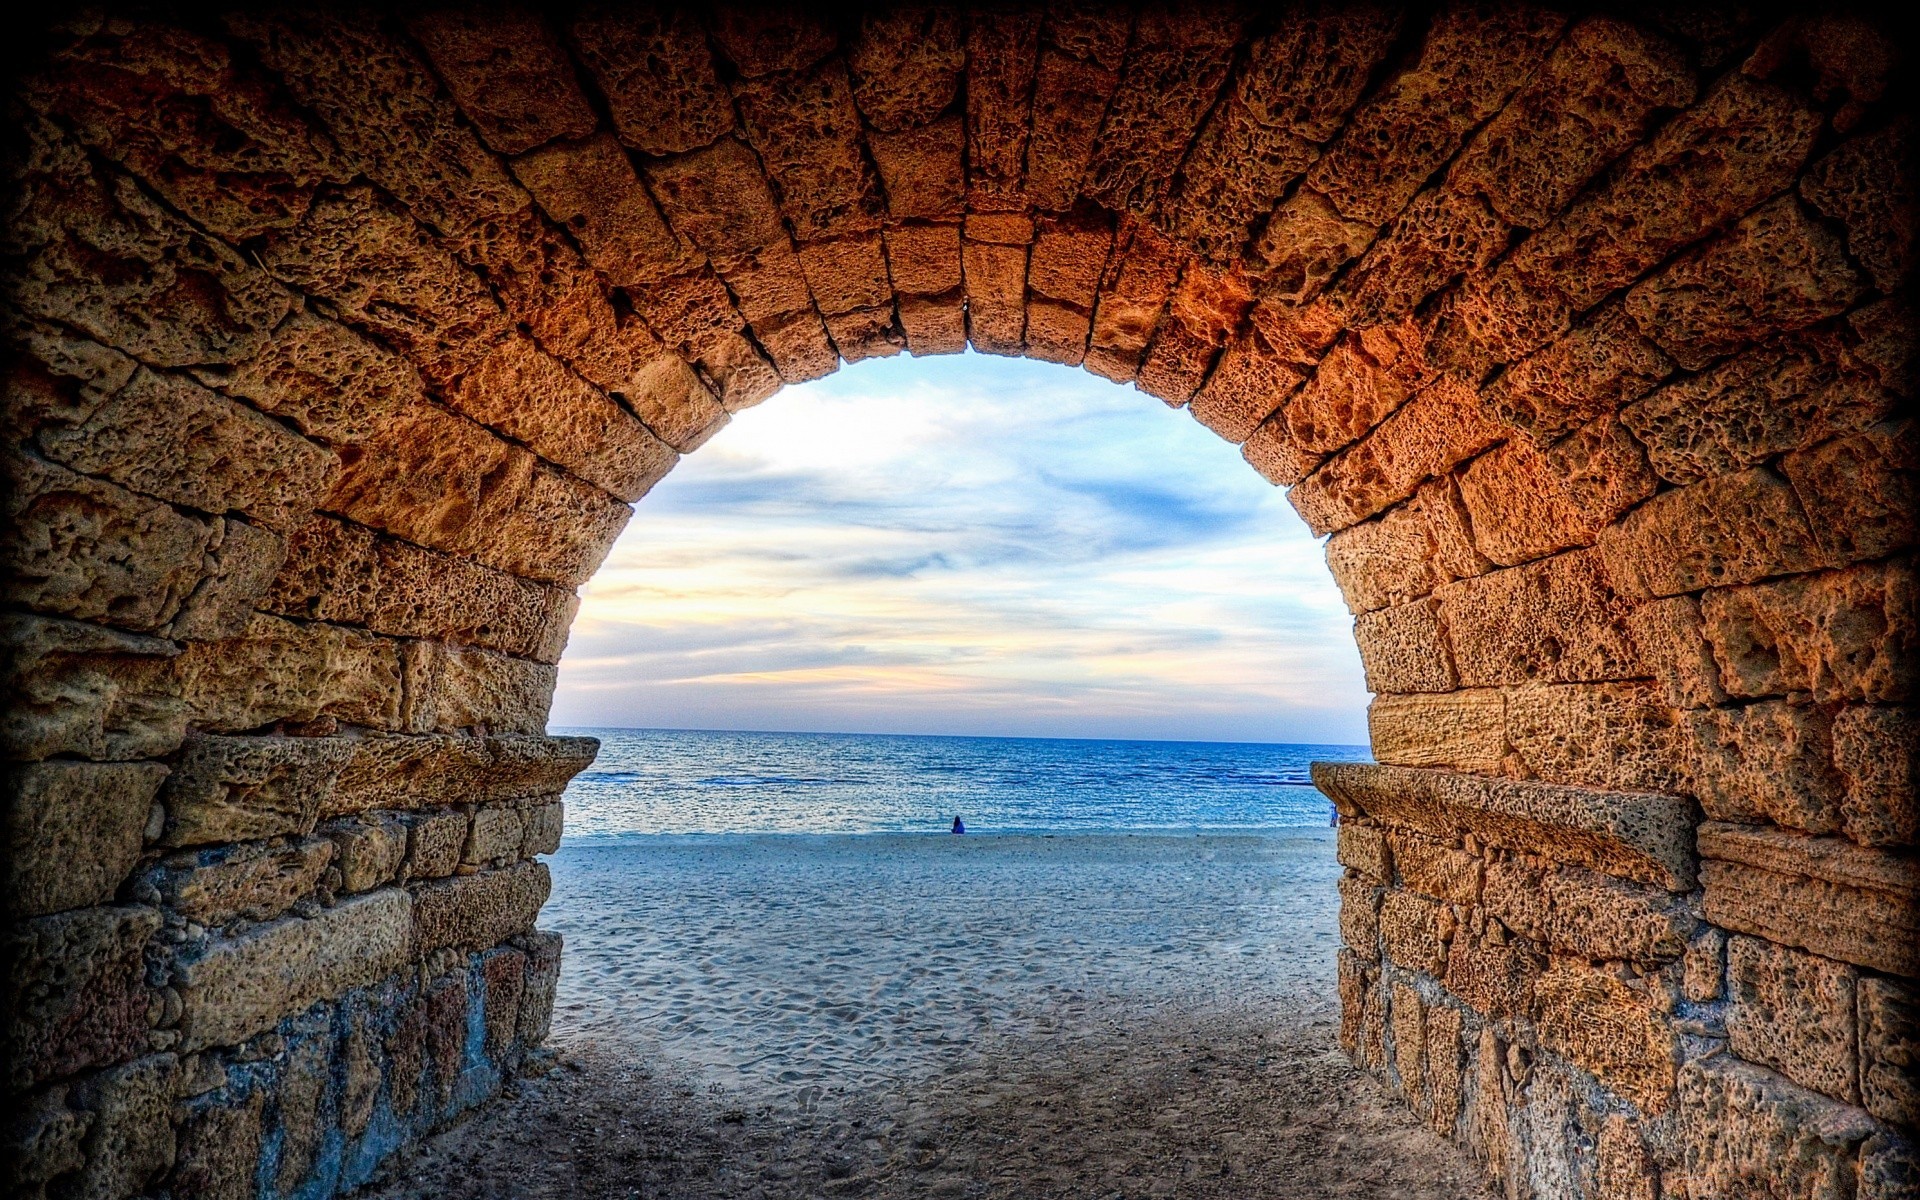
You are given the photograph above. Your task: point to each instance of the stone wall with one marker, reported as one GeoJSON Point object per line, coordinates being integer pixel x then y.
{"type": "Point", "coordinates": [341, 345]}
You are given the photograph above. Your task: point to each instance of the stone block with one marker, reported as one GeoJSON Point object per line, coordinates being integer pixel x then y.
{"type": "Point", "coordinates": [93, 551]}
{"type": "Point", "coordinates": [1889, 1167]}
{"type": "Point", "coordinates": [457, 688]}
{"type": "Point", "coordinates": [906, 65]}
{"type": "Point", "coordinates": [1703, 968]}
{"type": "Point", "coordinates": [1873, 751]}
{"type": "Point", "coordinates": [1520, 507]}
{"type": "Point", "coordinates": [1442, 1067]}
{"type": "Point", "coordinates": [1444, 233]}
{"type": "Point", "coordinates": [1426, 437]}
{"type": "Point", "coordinates": [508, 73]}
{"type": "Point", "coordinates": [934, 324]}
{"type": "Point", "coordinates": [236, 987]}
{"type": "Point", "coordinates": [1770, 762]}
{"type": "Point", "coordinates": [1745, 1131]}
{"type": "Point", "coordinates": [717, 198]}
{"type": "Point", "coordinates": [1435, 868]}
{"type": "Point", "coordinates": [1353, 982]}
{"type": "Point", "coordinates": [131, 1141]}
{"type": "Point", "coordinates": [219, 1149]}
{"type": "Point", "coordinates": [284, 671]}
{"type": "Point", "coordinates": [1303, 246]}
{"type": "Point", "coordinates": [768, 282]}
{"type": "Point", "coordinates": [332, 383]}
{"type": "Point", "coordinates": [1599, 918]}
{"type": "Point", "coordinates": [503, 976]}
{"type": "Point", "coordinates": [1610, 1029]}
{"type": "Point", "coordinates": [1468, 64]}
{"type": "Point", "coordinates": [865, 333]}
{"type": "Point", "coordinates": [1671, 640]}
{"type": "Point", "coordinates": [806, 130]}
{"type": "Point", "coordinates": [590, 187]}
{"type": "Point", "coordinates": [1889, 1024]}
{"type": "Point", "coordinates": [1842, 635]}
{"type": "Point", "coordinates": [1140, 275]}
{"type": "Point", "coordinates": [86, 690]}
{"type": "Point", "coordinates": [1234, 171]}
{"type": "Point", "coordinates": [845, 274]}
{"type": "Point", "coordinates": [1794, 1012]}
{"type": "Point", "coordinates": [1777, 270]}
{"type": "Point", "coordinates": [1249, 383]}
{"type": "Point", "coordinates": [241, 566]}
{"type": "Point", "coordinates": [1360, 915]}
{"type": "Point", "coordinates": [542, 948]}
{"type": "Point", "coordinates": [1464, 729]}
{"type": "Point", "coordinates": [243, 788]}
{"type": "Point", "coordinates": [921, 169]}
{"type": "Point", "coordinates": [1823, 895]}
{"type": "Point", "coordinates": [1176, 363]}
{"type": "Point", "coordinates": [434, 844]}
{"type": "Point", "coordinates": [478, 911]}
{"type": "Point", "coordinates": [1868, 185]}
{"type": "Point", "coordinates": [657, 75]}
{"type": "Point", "coordinates": [369, 851]}
{"type": "Point", "coordinates": [1070, 96]}
{"type": "Point", "coordinates": [924, 260]}
{"type": "Point", "coordinates": [1269, 449]}
{"type": "Point", "coordinates": [1410, 932]}
{"type": "Point", "coordinates": [76, 993]}
{"type": "Point", "coordinates": [44, 1141]}
{"type": "Point", "coordinates": [1364, 848]}
{"type": "Point", "coordinates": [1409, 1023]}
{"type": "Point", "coordinates": [1383, 561]}
{"type": "Point", "coordinates": [1778, 396]}
{"type": "Point", "coordinates": [1728, 530]}
{"type": "Point", "coordinates": [1175, 65]}
{"type": "Point", "coordinates": [1620, 735]}
{"type": "Point", "coordinates": [255, 881]}
{"type": "Point", "coordinates": [494, 836]}
{"type": "Point", "coordinates": [302, 1086]}
{"type": "Point", "coordinates": [544, 824]}
{"type": "Point", "coordinates": [1495, 977]}
{"type": "Point", "coordinates": [1056, 332]}
{"type": "Point", "coordinates": [1404, 649]}
{"type": "Point", "coordinates": [742, 377]}
{"type": "Point", "coordinates": [1858, 491]}
{"type": "Point", "coordinates": [1624, 1168]}
{"type": "Point", "coordinates": [1360, 382]}
{"type": "Point", "coordinates": [73, 831]}
{"type": "Point", "coordinates": [1001, 56]}
{"type": "Point", "coordinates": [532, 397]}
{"type": "Point", "coordinates": [1559, 620]}
{"type": "Point", "coordinates": [1590, 373]}
{"type": "Point", "coordinates": [1630, 835]}
{"type": "Point", "coordinates": [1602, 470]}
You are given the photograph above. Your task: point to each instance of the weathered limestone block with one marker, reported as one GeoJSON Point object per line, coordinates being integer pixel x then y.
{"type": "Point", "coordinates": [1353, 982]}
{"type": "Point", "coordinates": [1175, 64]}
{"type": "Point", "coordinates": [996, 278]}
{"type": "Point", "coordinates": [1629, 835]}
{"type": "Point", "coordinates": [1621, 736]}
{"type": "Point", "coordinates": [73, 831]}
{"type": "Point", "coordinates": [86, 690]}
{"type": "Point", "coordinates": [494, 837]}
{"type": "Point", "coordinates": [280, 670]}
{"type": "Point", "coordinates": [845, 274]}
{"type": "Point", "coordinates": [1469, 63]}
{"type": "Point", "coordinates": [1825, 895]}
{"type": "Point", "coordinates": [477, 911]}
{"type": "Point", "coordinates": [741, 375]}
{"type": "Point", "coordinates": [1408, 1020]}
{"type": "Point", "coordinates": [923, 260]}
{"type": "Point", "coordinates": [167, 437]}
{"type": "Point", "coordinates": [1444, 233]}
{"type": "Point", "coordinates": [543, 823]}
{"type": "Point", "coordinates": [1270, 449]}
{"type": "Point", "coordinates": [1069, 255]}
{"type": "Point", "coordinates": [368, 851]}
{"type": "Point", "coordinates": [1609, 1028]}
{"type": "Point", "coordinates": [1360, 915]}
{"type": "Point", "coordinates": [242, 562]}
{"type": "Point", "coordinates": [1176, 363]}
{"type": "Point", "coordinates": [1889, 1167]}
{"type": "Point", "coordinates": [1465, 729]}
{"type": "Point", "coordinates": [934, 324]}
{"type": "Point", "coordinates": [175, 297]}
{"type": "Point", "coordinates": [1001, 56]}
{"type": "Point", "coordinates": [1703, 967]}
{"type": "Point", "coordinates": [434, 843]}
{"type": "Point", "coordinates": [717, 198]}
{"type": "Point", "coordinates": [1364, 848]}
{"type": "Point", "coordinates": [1249, 383]}
{"type": "Point", "coordinates": [219, 1147]}
{"type": "Point", "coordinates": [1304, 244]}
{"type": "Point", "coordinates": [1403, 649]}
{"type": "Point", "coordinates": [1889, 1049]}
{"type": "Point", "coordinates": [1794, 1012]}
{"type": "Point", "coordinates": [387, 275]}
{"type": "Point", "coordinates": [428, 772]}
{"type": "Point", "coordinates": [1728, 530]}
{"type": "Point", "coordinates": [1442, 1069]}
{"type": "Point", "coordinates": [1777, 270]}
{"type": "Point", "coordinates": [1842, 635]}
{"type": "Point", "coordinates": [237, 987]}
{"type": "Point", "coordinates": [1859, 492]}
{"type": "Point", "coordinates": [531, 397]}
{"type": "Point", "coordinates": [536, 997]}
{"type": "Point", "coordinates": [1435, 868]}
{"type": "Point", "coordinates": [921, 170]}
{"type": "Point", "coordinates": [1306, 73]}
{"type": "Point", "coordinates": [1520, 507]}
{"type": "Point", "coordinates": [257, 882]}
{"type": "Point", "coordinates": [453, 688]}
{"type": "Point", "coordinates": [590, 187]}
{"type": "Point", "coordinates": [657, 75]}
{"type": "Point", "coordinates": [1410, 932]}
{"type": "Point", "coordinates": [1671, 640]}
{"type": "Point", "coordinates": [244, 788]}
{"type": "Point", "coordinates": [1744, 1131]}
{"type": "Point", "coordinates": [1584, 913]}
{"type": "Point", "coordinates": [1056, 332]}
{"type": "Point", "coordinates": [1359, 383]}
{"type": "Point", "coordinates": [805, 127]}
{"type": "Point", "coordinates": [1873, 750]}
{"type": "Point", "coordinates": [44, 1141]}
{"type": "Point", "coordinates": [1383, 561]}
{"type": "Point", "coordinates": [1602, 470]}
{"type": "Point", "coordinates": [332, 383]}
{"type": "Point", "coordinates": [865, 333]}
{"type": "Point", "coordinates": [1770, 762]}
{"type": "Point", "coordinates": [1234, 171]}
{"type": "Point", "coordinates": [1558, 620]}
{"type": "Point", "coordinates": [1140, 276]}
{"type": "Point", "coordinates": [131, 1140]}
{"type": "Point", "coordinates": [1588, 103]}
{"type": "Point", "coordinates": [1070, 96]}
{"type": "Point", "coordinates": [763, 40]}
{"type": "Point", "coordinates": [91, 550]}
{"type": "Point", "coordinates": [1591, 372]}
{"type": "Point", "coordinates": [906, 65]}
{"type": "Point", "coordinates": [1496, 977]}
{"type": "Point", "coordinates": [507, 72]}
{"type": "Point", "coordinates": [76, 992]}
{"type": "Point", "coordinates": [1868, 185]}
{"type": "Point", "coordinates": [1426, 437]}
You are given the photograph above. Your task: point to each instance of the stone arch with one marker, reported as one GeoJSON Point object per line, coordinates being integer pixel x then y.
{"type": "Point", "coordinates": [341, 346]}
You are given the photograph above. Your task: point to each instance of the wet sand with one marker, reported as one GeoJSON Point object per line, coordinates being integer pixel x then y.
{"type": "Point", "coordinates": [1094, 1015]}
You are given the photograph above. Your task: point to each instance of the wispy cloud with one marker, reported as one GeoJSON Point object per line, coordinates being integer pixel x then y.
{"type": "Point", "coordinates": [966, 545]}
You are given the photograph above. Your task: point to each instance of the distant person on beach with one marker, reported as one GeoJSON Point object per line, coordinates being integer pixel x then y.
{"type": "Point", "coordinates": [958, 826]}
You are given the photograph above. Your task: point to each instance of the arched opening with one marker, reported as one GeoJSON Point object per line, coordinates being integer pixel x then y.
{"type": "Point", "coordinates": [342, 344]}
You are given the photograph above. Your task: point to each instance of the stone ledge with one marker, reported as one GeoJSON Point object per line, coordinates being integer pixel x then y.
{"type": "Point", "coordinates": [1643, 836]}
{"type": "Point", "coordinates": [1825, 895]}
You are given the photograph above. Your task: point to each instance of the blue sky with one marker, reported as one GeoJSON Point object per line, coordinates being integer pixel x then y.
{"type": "Point", "coordinates": [969, 545]}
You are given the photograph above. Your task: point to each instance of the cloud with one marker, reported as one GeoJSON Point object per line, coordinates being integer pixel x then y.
{"type": "Point", "coordinates": [967, 545]}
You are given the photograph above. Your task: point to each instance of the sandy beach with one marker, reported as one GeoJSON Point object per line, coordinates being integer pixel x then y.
{"type": "Point", "coordinates": [908, 1015]}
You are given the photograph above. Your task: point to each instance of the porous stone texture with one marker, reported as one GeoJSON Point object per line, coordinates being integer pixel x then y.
{"type": "Point", "coordinates": [341, 343]}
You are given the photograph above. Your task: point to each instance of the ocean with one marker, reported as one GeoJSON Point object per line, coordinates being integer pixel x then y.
{"type": "Point", "coordinates": [687, 782]}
